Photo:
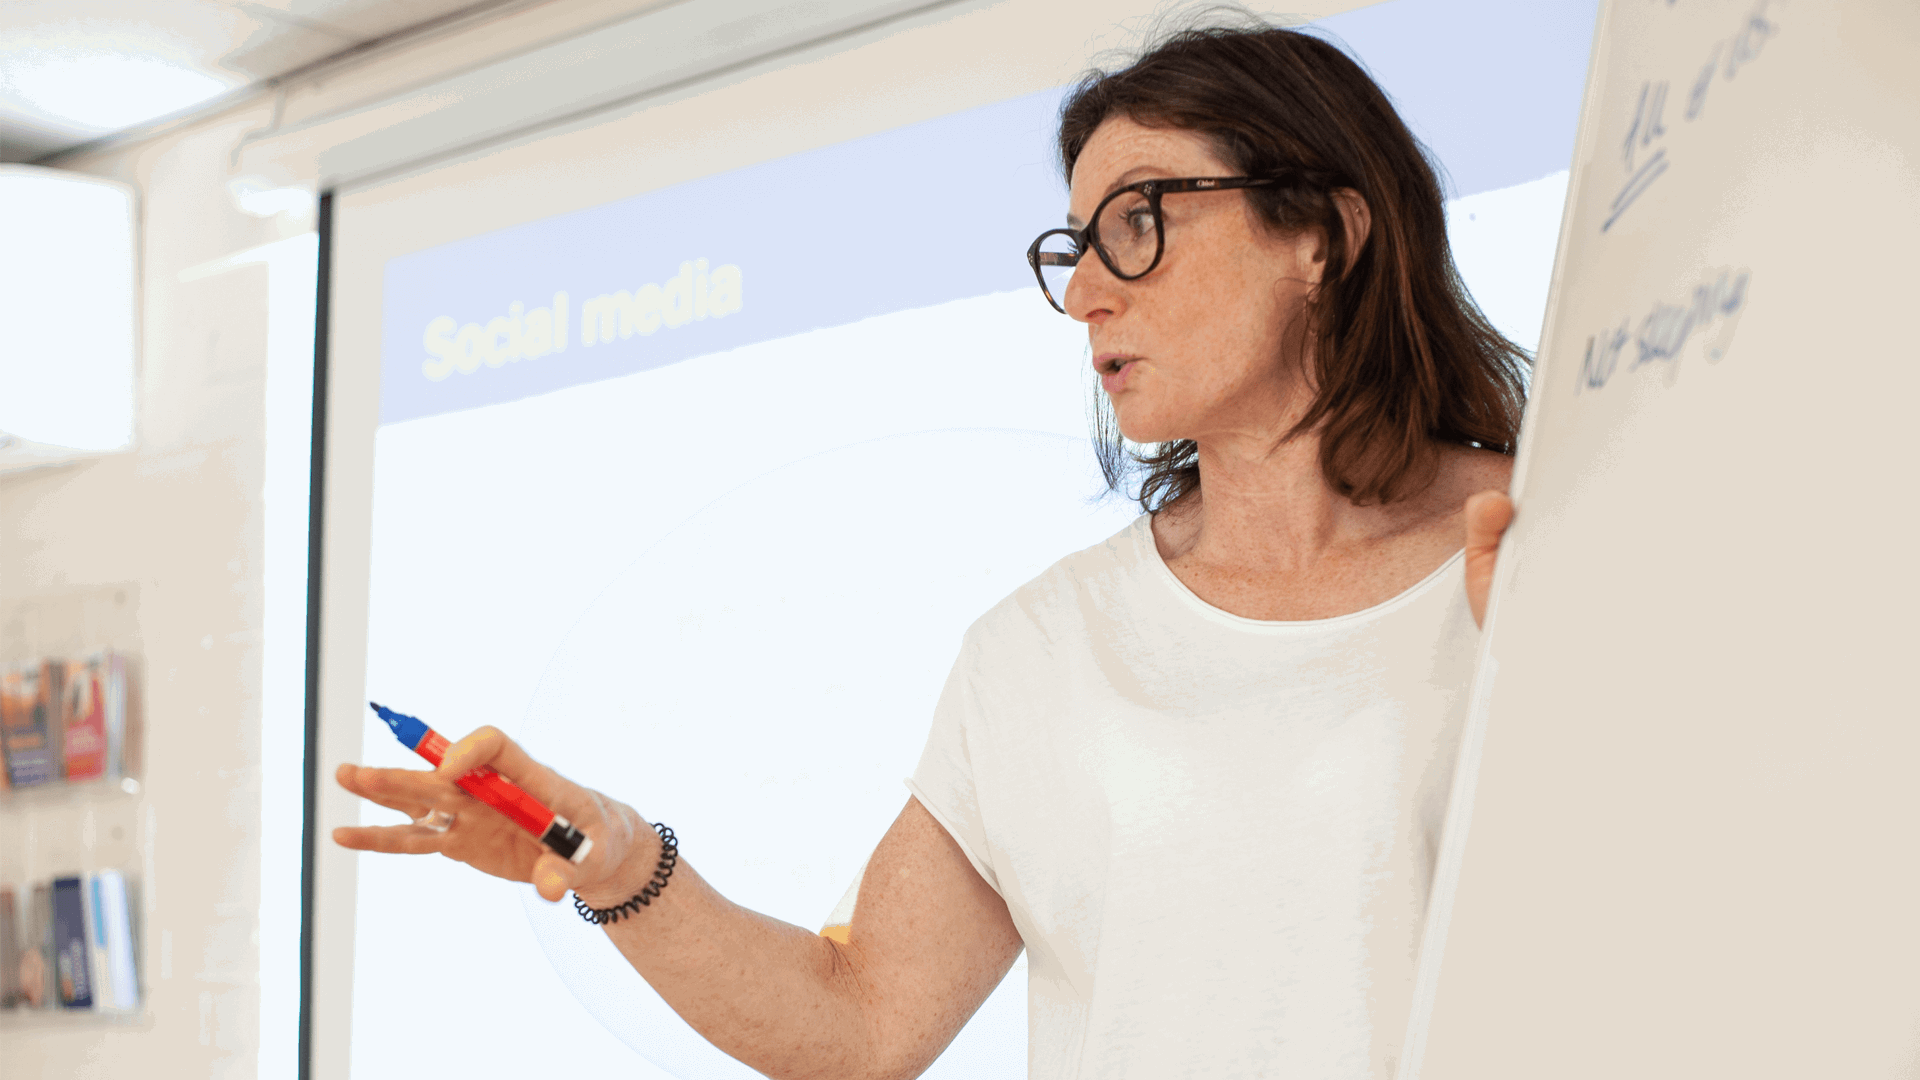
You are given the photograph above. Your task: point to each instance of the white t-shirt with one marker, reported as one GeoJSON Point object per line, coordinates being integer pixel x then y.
{"type": "Point", "coordinates": [1215, 834]}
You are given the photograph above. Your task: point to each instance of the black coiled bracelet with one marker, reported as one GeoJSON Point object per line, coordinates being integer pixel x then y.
{"type": "Point", "coordinates": [669, 858]}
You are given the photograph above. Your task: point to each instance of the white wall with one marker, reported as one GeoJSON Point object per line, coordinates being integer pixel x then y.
{"type": "Point", "coordinates": [179, 521]}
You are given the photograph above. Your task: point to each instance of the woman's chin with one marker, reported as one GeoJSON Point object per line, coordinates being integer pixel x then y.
{"type": "Point", "coordinates": [1139, 426]}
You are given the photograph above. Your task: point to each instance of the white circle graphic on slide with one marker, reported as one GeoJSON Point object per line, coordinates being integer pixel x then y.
{"type": "Point", "coordinates": [763, 678]}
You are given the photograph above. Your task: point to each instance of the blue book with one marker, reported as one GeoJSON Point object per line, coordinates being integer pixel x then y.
{"type": "Point", "coordinates": [71, 949]}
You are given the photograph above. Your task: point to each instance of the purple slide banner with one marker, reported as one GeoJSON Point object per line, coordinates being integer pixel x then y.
{"type": "Point", "coordinates": [936, 211]}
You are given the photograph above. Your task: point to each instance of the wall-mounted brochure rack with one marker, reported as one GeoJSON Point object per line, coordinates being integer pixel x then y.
{"type": "Point", "coordinates": [71, 841]}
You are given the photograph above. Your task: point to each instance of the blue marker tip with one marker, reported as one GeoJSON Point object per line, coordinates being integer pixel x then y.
{"type": "Point", "coordinates": [405, 728]}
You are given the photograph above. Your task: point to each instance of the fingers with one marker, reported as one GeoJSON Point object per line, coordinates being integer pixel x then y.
{"type": "Point", "coordinates": [490, 746]}
{"type": "Point", "coordinates": [411, 791]}
{"type": "Point", "coordinates": [1488, 514]}
{"type": "Point", "coordinates": [392, 839]}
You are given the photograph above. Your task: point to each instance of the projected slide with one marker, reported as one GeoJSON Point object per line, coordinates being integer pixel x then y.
{"type": "Point", "coordinates": [695, 492]}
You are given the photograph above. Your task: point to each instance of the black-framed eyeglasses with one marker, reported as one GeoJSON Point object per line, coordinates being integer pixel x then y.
{"type": "Point", "coordinates": [1126, 232]}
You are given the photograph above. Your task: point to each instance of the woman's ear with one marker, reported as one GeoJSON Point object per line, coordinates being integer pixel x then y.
{"type": "Point", "coordinates": [1356, 220]}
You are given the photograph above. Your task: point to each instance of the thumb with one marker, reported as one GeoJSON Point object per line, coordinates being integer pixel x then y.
{"type": "Point", "coordinates": [552, 876]}
{"type": "Point", "coordinates": [1488, 515]}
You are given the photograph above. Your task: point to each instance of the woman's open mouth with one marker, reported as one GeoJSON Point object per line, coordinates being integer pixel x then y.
{"type": "Point", "coordinates": [1113, 371]}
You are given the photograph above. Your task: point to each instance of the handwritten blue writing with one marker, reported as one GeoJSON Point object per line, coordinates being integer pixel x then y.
{"type": "Point", "coordinates": [1697, 99]}
{"type": "Point", "coordinates": [1648, 127]}
{"type": "Point", "coordinates": [1751, 38]}
{"type": "Point", "coordinates": [1636, 186]}
{"type": "Point", "coordinates": [1740, 50]}
{"type": "Point", "coordinates": [1666, 329]}
{"type": "Point", "coordinates": [1603, 358]}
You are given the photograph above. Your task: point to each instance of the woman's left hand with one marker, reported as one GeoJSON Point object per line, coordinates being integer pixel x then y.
{"type": "Point", "coordinates": [1488, 515]}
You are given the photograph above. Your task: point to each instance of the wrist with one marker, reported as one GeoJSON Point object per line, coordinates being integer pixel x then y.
{"type": "Point", "coordinates": [640, 867]}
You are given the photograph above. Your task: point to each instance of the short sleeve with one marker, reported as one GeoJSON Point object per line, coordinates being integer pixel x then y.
{"type": "Point", "coordinates": [945, 782]}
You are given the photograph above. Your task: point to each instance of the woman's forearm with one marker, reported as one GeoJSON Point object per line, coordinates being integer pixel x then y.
{"type": "Point", "coordinates": [930, 940]}
{"type": "Point", "coordinates": [784, 1000]}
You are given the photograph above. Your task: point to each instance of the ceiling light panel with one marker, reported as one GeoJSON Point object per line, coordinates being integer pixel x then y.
{"type": "Point", "coordinates": [83, 68]}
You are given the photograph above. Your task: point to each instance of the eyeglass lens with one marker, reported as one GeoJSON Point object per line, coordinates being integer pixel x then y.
{"type": "Point", "coordinates": [1058, 254]}
{"type": "Point", "coordinates": [1127, 231]}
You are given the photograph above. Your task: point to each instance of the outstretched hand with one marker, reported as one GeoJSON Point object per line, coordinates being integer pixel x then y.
{"type": "Point", "coordinates": [1488, 515]}
{"type": "Point", "coordinates": [481, 836]}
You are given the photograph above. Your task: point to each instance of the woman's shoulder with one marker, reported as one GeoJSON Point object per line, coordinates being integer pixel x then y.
{"type": "Point", "coordinates": [1481, 468]}
{"type": "Point", "coordinates": [1465, 471]}
{"type": "Point", "coordinates": [1061, 598]}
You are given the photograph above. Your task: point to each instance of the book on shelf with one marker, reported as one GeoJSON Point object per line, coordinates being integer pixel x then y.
{"type": "Point", "coordinates": [76, 949]}
{"type": "Point", "coordinates": [30, 721]}
{"type": "Point", "coordinates": [9, 951]}
{"type": "Point", "coordinates": [119, 986]}
{"type": "Point", "coordinates": [64, 720]}
{"type": "Point", "coordinates": [36, 966]}
{"type": "Point", "coordinates": [119, 731]}
{"type": "Point", "coordinates": [83, 717]}
{"type": "Point", "coordinates": [19, 685]}
{"type": "Point", "coordinates": [72, 952]}
{"type": "Point", "coordinates": [95, 930]}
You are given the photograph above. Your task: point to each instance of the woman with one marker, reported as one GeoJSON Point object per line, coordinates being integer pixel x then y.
{"type": "Point", "coordinates": [1198, 771]}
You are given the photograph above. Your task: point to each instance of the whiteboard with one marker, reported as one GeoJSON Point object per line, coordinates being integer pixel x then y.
{"type": "Point", "coordinates": [1682, 840]}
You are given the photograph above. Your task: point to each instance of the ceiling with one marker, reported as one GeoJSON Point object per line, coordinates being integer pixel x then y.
{"type": "Point", "coordinates": [72, 71]}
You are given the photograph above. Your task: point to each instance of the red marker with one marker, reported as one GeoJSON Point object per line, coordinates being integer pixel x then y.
{"type": "Point", "coordinates": [556, 832]}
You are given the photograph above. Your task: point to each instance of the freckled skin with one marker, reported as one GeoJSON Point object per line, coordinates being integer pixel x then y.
{"type": "Point", "coordinates": [930, 939]}
{"type": "Point", "coordinates": [1266, 538]}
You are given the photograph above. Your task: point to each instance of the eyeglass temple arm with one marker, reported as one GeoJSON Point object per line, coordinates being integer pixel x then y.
{"type": "Point", "coordinates": [1204, 183]}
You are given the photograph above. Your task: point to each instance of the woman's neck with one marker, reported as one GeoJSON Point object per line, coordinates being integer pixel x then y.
{"type": "Point", "coordinates": [1266, 505]}
{"type": "Point", "coordinates": [1266, 537]}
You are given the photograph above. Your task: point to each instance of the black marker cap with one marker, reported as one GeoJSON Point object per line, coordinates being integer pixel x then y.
{"type": "Point", "coordinates": [566, 841]}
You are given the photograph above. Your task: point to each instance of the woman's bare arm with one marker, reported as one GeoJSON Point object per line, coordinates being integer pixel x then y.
{"type": "Point", "coordinates": [929, 941]}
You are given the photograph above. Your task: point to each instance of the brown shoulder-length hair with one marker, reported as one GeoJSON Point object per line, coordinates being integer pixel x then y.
{"type": "Point", "coordinates": [1401, 357]}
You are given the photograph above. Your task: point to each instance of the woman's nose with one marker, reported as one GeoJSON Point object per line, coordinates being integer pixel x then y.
{"type": "Point", "coordinates": [1093, 294]}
